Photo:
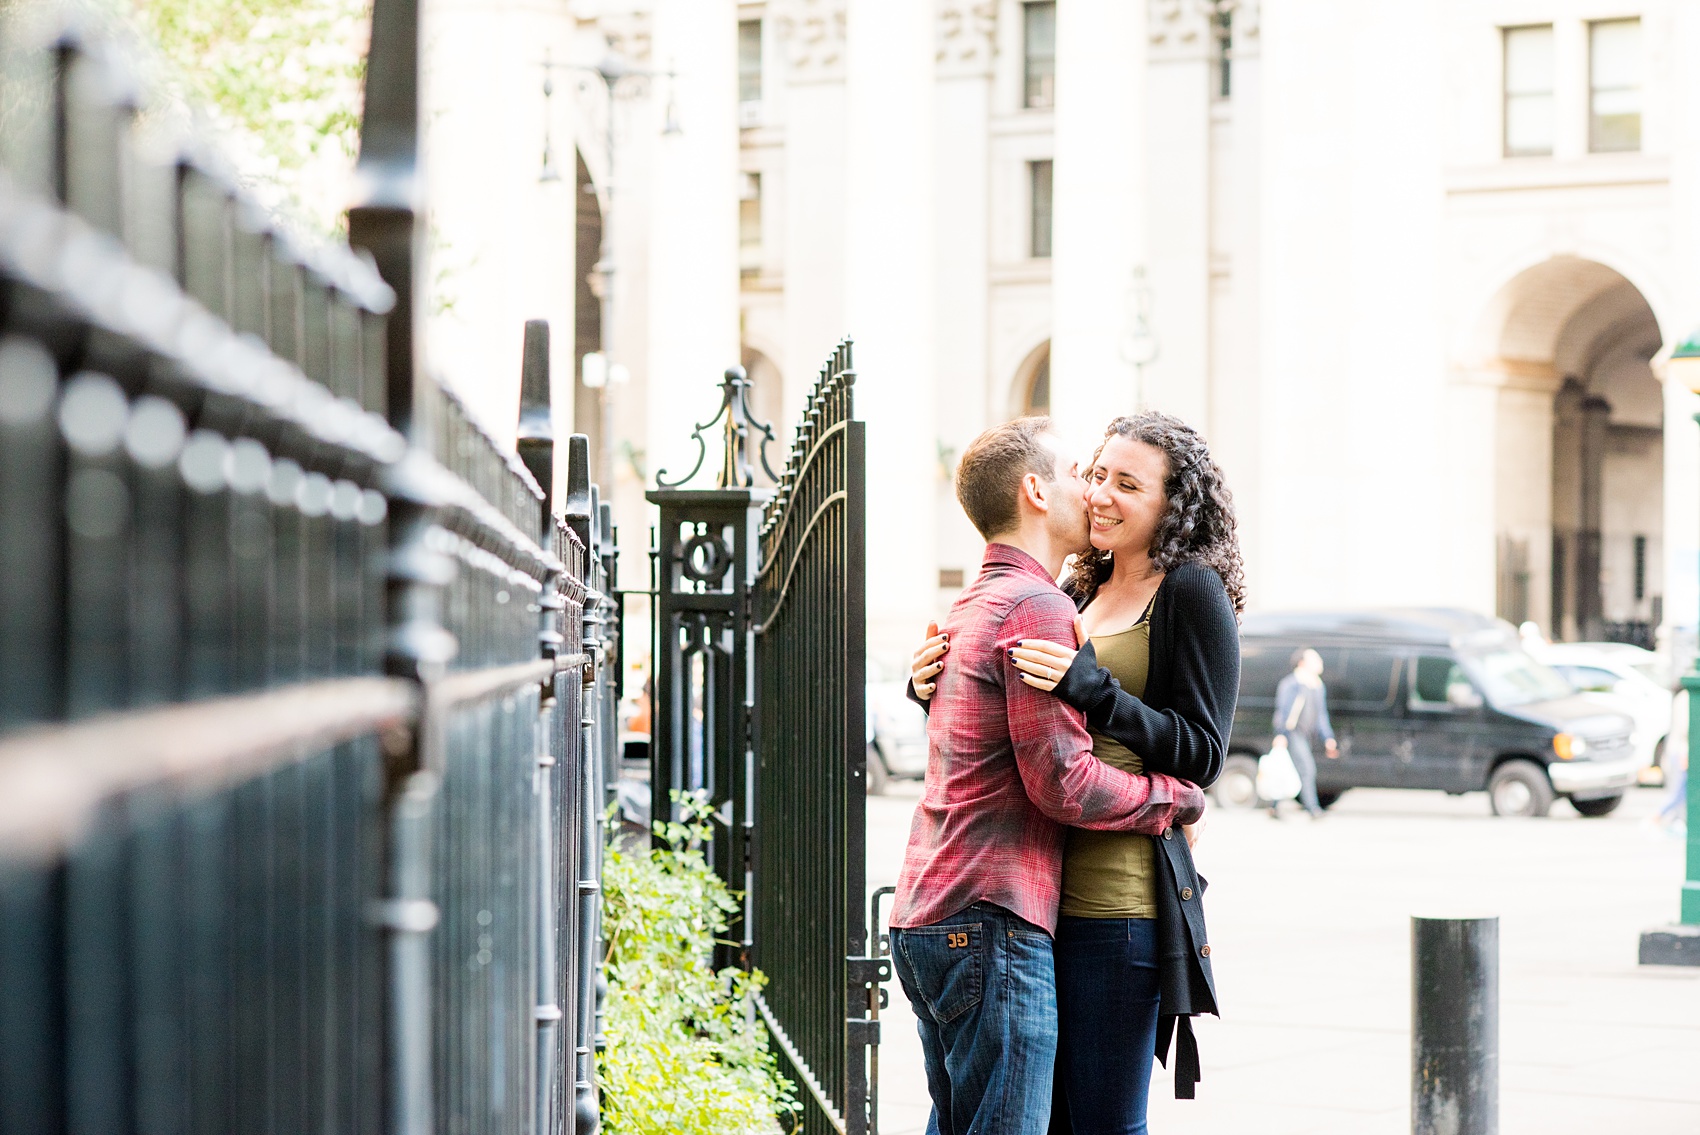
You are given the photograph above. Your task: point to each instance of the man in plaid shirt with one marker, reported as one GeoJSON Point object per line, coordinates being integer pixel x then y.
{"type": "Point", "coordinates": [1009, 768]}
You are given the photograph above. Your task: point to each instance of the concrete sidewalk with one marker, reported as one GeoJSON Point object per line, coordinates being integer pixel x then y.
{"type": "Point", "coordinates": [1310, 929]}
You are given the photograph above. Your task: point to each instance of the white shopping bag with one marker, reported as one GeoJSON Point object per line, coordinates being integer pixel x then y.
{"type": "Point", "coordinates": [1277, 779]}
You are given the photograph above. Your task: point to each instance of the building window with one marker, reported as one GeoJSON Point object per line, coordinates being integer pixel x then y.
{"type": "Point", "coordinates": [1039, 183]}
{"type": "Point", "coordinates": [1614, 86]}
{"type": "Point", "coordinates": [1039, 52]}
{"type": "Point", "coordinates": [1528, 91]}
{"type": "Point", "coordinates": [1640, 568]}
{"type": "Point", "coordinates": [749, 224]}
{"type": "Point", "coordinates": [749, 61]}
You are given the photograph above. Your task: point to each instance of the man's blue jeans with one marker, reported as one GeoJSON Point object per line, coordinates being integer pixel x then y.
{"type": "Point", "coordinates": [985, 995]}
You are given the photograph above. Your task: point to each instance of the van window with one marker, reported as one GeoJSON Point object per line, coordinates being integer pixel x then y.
{"type": "Point", "coordinates": [1510, 677]}
{"type": "Point", "coordinates": [1364, 681]}
{"type": "Point", "coordinates": [1262, 666]}
{"type": "Point", "coordinates": [1431, 679]}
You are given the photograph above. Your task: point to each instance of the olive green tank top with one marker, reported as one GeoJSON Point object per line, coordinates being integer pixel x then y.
{"type": "Point", "coordinates": [1110, 874]}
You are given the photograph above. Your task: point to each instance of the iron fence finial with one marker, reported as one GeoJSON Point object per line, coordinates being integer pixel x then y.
{"type": "Point", "coordinates": [738, 424]}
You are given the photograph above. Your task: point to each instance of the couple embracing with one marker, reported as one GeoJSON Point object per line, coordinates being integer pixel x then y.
{"type": "Point", "coordinates": [1048, 928]}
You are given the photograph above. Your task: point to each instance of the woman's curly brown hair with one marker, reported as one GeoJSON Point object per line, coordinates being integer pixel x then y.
{"type": "Point", "coordinates": [1198, 526]}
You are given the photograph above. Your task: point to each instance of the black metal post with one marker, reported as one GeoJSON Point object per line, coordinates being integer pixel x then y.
{"type": "Point", "coordinates": [1454, 1026]}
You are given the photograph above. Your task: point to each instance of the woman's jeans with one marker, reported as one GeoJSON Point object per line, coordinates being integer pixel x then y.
{"type": "Point", "coordinates": [1107, 1012]}
{"type": "Point", "coordinates": [1298, 747]}
{"type": "Point", "coordinates": [983, 986]}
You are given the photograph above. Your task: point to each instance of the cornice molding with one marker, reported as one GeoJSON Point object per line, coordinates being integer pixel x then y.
{"type": "Point", "coordinates": [967, 36]}
{"type": "Point", "coordinates": [813, 32]}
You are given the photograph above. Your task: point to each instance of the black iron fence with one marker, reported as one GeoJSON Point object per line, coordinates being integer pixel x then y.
{"type": "Point", "coordinates": [760, 628]}
{"type": "Point", "coordinates": [306, 696]}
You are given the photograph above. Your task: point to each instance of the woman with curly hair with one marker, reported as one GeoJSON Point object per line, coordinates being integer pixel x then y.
{"type": "Point", "coordinates": [1156, 674]}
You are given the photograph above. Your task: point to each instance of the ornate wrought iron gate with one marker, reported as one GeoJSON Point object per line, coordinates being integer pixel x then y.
{"type": "Point", "coordinates": [760, 615]}
{"type": "Point", "coordinates": [306, 696]}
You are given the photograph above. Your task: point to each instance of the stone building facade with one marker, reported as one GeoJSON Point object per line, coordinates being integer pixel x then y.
{"type": "Point", "coordinates": [1411, 268]}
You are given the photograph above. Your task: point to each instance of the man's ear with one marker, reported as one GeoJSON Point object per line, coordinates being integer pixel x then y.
{"type": "Point", "coordinates": [1033, 488]}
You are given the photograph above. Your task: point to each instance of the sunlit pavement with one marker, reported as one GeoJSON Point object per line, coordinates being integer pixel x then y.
{"type": "Point", "coordinates": [1310, 929]}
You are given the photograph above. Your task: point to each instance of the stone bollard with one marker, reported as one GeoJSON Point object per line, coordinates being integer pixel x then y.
{"type": "Point", "coordinates": [1454, 1026]}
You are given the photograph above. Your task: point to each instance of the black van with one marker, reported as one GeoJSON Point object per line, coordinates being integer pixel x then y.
{"type": "Point", "coordinates": [1432, 698]}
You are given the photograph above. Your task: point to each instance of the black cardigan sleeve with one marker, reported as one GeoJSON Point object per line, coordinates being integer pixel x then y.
{"type": "Point", "coordinates": [1195, 647]}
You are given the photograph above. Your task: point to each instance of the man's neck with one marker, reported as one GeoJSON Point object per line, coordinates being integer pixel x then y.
{"type": "Point", "coordinates": [1036, 542]}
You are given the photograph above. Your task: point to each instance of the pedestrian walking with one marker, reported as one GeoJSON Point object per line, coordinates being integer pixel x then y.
{"type": "Point", "coordinates": [1157, 675]}
{"type": "Point", "coordinates": [1301, 719]}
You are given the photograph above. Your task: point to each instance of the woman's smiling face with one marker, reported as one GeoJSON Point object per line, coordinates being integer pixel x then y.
{"type": "Point", "coordinates": [1124, 495]}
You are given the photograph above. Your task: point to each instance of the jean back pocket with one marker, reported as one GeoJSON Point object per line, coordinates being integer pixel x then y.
{"type": "Point", "coordinates": [946, 965]}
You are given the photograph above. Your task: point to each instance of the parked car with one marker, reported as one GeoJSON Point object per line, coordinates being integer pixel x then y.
{"type": "Point", "coordinates": [1433, 698]}
{"type": "Point", "coordinates": [897, 729]}
{"type": "Point", "coordinates": [1626, 677]}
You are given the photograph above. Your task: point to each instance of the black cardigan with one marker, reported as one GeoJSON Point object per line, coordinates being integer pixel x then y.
{"type": "Point", "coordinates": [1179, 727]}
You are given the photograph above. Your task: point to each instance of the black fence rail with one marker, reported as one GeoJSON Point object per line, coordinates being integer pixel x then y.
{"type": "Point", "coordinates": [306, 694]}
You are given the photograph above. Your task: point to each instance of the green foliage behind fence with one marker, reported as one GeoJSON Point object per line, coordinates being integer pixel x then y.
{"type": "Point", "coordinates": [686, 1054]}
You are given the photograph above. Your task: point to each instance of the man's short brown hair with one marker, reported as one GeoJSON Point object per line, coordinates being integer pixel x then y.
{"type": "Point", "coordinates": [988, 478]}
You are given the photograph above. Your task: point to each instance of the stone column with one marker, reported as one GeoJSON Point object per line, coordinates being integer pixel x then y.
{"type": "Point", "coordinates": [1178, 195]}
{"type": "Point", "coordinates": [812, 38]}
{"type": "Point", "coordinates": [962, 225]}
{"type": "Point", "coordinates": [502, 237]}
{"type": "Point", "coordinates": [1523, 488]}
{"type": "Point", "coordinates": [1590, 605]}
{"type": "Point", "coordinates": [693, 242]}
{"type": "Point", "coordinates": [889, 296]}
{"type": "Point", "coordinates": [1566, 506]}
{"type": "Point", "coordinates": [1098, 200]}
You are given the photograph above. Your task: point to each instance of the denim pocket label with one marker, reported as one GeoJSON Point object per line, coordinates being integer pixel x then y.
{"type": "Point", "coordinates": [947, 967]}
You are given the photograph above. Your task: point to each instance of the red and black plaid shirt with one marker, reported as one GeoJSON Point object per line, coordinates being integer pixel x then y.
{"type": "Point", "coordinates": [1009, 767]}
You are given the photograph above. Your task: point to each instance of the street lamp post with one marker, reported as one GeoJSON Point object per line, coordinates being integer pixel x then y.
{"type": "Point", "coordinates": [1680, 944]}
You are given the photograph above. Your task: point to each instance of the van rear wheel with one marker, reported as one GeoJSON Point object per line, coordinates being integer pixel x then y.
{"type": "Point", "coordinates": [1520, 788]}
{"type": "Point", "coordinates": [1237, 786]}
{"type": "Point", "coordinates": [1599, 806]}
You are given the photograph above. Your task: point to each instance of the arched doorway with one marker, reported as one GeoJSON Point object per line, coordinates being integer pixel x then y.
{"type": "Point", "coordinates": [1580, 437]}
{"type": "Point", "coordinates": [1030, 393]}
{"type": "Point", "coordinates": [767, 400]}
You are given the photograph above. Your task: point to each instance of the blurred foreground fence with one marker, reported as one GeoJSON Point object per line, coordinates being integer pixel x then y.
{"type": "Point", "coordinates": [306, 694]}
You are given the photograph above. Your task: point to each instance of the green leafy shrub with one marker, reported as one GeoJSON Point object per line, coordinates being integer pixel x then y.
{"type": "Point", "coordinates": [686, 1053]}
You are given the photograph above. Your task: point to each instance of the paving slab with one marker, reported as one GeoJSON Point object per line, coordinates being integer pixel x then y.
{"type": "Point", "coordinates": [1310, 937]}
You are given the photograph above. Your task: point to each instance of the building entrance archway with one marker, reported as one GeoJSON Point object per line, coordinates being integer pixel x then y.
{"type": "Point", "coordinates": [1030, 393]}
{"type": "Point", "coordinates": [1579, 500]}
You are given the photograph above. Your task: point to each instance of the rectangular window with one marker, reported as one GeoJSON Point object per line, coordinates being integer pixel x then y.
{"type": "Point", "coordinates": [749, 60]}
{"type": "Point", "coordinates": [1640, 568]}
{"type": "Point", "coordinates": [1614, 86]}
{"type": "Point", "coordinates": [1039, 53]}
{"type": "Point", "coordinates": [749, 224]}
{"type": "Point", "coordinates": [1039, 181]}
{"type": "Point", "coordinates": [1528, 91]}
